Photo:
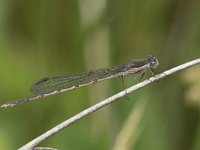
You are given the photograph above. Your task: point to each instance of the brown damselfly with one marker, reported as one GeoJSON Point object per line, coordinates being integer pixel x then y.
{"type": "Point", "coordinates": [54, 85]}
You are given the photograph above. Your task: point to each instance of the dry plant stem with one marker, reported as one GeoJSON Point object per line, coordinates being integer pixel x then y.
{"type": "Point", "coordinates": [44, 148]}
{"type": "Point", "coordinates": [105, 102]}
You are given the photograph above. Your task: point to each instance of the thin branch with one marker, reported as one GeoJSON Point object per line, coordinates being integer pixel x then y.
{"type": "Point", "coordinates": [44, 148]}
{"type": "Point", "coordinates": [105, 102]}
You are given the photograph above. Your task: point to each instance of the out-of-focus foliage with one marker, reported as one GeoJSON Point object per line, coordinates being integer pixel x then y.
{"type": "Point", "coordinates": [47, 38]}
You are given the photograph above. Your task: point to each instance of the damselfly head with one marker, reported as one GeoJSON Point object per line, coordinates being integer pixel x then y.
{"type": "Point", "coordinates": [153, 62]}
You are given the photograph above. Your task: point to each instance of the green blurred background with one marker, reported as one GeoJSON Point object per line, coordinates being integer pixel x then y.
{"type": "Point", "coordinates": [42, 38]}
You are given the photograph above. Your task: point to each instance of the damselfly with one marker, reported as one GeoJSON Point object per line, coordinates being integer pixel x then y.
{"type": "Point", "coordinates": [54, 85]}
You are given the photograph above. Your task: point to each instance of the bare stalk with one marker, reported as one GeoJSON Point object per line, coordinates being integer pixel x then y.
{"type": "Point", "coordinates": [105, 102]}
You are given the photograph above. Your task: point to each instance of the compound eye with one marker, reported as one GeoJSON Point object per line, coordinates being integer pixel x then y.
{"type": "Point", "coordinates": [153, 63]}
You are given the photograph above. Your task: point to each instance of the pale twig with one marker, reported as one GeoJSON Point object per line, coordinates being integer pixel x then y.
{"type": "Point", "coordinates": [105, 102]}
{"type": "Point", "coordinates": [44, 148]}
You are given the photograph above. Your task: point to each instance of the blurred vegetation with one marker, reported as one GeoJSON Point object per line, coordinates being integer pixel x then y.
{"type": "Point", "coordinates": [48, 38]}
